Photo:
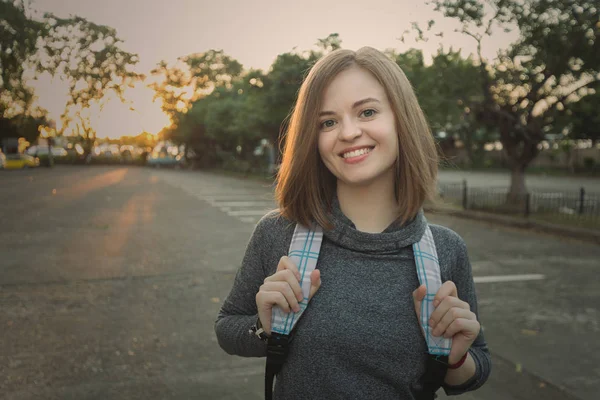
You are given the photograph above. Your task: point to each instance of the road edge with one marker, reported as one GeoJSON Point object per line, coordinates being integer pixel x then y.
{"type": "Point", "coordinates": [582, 234]}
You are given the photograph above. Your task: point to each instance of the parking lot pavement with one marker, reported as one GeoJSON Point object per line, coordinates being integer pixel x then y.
{"type": "Point", "coordinates": [111, 277]}
{"type": "Point", "coordinates": [538, 299]}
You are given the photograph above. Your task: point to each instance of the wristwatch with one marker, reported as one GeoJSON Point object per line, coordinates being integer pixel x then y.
{"type": "Point", "coordinates": [258, 330]}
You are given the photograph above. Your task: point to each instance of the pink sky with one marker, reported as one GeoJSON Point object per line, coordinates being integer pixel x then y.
{"type": "Point", "coordinates": [253, 32]}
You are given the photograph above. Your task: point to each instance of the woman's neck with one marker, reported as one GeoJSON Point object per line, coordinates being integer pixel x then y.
{"type": "Point", "coordinates": [372, 208]}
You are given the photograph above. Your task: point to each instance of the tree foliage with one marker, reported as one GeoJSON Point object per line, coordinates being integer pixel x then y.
{"type": "Point", "coordinates": [550, 67]}
{"type": "Point", "coordinates": [582, 119]}
{"type": "Point", "coordinates": [18, 37]}
{"type": "Point", "coordinates": [89, 57]}
{"type": "Point", "coordinates": [256, 105]}
{"type": "Point", "coordinates": [216, 106]}
{"type": "Point", "coordinates": [194, 76]}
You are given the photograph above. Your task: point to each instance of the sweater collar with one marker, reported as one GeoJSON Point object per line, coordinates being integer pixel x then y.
{"type": "Point", "coordinates": [393, 238]}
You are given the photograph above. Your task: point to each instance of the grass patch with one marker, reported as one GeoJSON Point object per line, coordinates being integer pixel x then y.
{"type": "Point", "coordinates": [572, 221]}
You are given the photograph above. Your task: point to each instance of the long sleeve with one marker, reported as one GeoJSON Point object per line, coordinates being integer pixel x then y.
{"type": "Point", "coordinates": [239, 312]}
{"type": "Point", "coordinates": [463, 278]}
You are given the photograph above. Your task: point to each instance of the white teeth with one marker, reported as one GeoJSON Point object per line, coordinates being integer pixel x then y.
{"type": "Point", "coordinates": [356, 153]}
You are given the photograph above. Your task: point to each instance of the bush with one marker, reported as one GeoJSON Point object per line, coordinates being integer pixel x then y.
{"type": "Point", "coordinates": [589, 163]}
{"type": "Point", "coordinates": [70, 158]}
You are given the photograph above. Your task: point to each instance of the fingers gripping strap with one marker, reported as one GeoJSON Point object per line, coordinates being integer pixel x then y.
{"type": "Point", "coordinates": [428, 270]}
{"type": "Point", "coordinates": [304, 252]}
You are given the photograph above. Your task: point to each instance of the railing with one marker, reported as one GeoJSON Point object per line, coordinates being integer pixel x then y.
{"type": "Point", "coordinates": [578, 207]}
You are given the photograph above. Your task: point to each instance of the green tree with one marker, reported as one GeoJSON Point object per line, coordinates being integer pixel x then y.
{"type": "Point", "coordinates": [330, 43]}
{"type": "Point", "coordinates": [447, 89]}
{"type": "Point", "coordinates": [225, 119]}
{"type": "Point", "coordinates": [18, 37]}
{"type": "Point", "coordinates": [192, 77]}
{"type": "Point", "coordinates": [549, 68]}
{"type": "Point", "coordinates": [181, 87]}
{"type": "Point", "coordinates": [85, 55]}
{"type": "Point", "coordinates": [90, 58]}
{"type": "Point", "coordinates": [453, 91]}
{"type": "Point", "coordinates": [282, 86]}
{"type": "Point", "coordinates": [582, 119]}
{"type": "Point", "coordinates": [217, 106]}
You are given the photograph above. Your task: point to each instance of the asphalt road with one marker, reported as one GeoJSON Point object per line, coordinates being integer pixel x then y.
{"type": "Point", "coordinates": [111, 278]}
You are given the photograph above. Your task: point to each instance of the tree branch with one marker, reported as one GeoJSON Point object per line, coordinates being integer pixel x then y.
{"type": "Point", "coordinates": [531, 94]}
{"type": "Point", "coordinates": [489, 27]}
{"type": "Point", "coordinates": [564, 97]}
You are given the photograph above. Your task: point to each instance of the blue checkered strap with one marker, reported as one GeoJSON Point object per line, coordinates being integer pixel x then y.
{"type": "Point", "coordinates": [304, 252]}
{"type": "Point", "coordinates": [428, 271]}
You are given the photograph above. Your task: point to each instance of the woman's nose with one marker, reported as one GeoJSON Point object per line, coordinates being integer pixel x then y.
{"type": "Point", "coordinates": [350, 130]}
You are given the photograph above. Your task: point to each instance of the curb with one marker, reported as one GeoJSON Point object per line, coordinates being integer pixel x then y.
{"type": "Point", "coordinates": [587, 235]}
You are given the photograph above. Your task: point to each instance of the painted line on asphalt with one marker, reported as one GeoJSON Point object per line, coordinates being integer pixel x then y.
{"type": "Point", "coordinates": [508, 278]}
{"type": "Point", "coordinates": [245, 203]}
{"type": "Point", "coordinates": [234, 210]}
{"type": "Point", "coordinates": [222, 199]}
{"type": "Point", "coordinates": [229, 194]}
{"type": "Point", "coordinates": [232, 197]}
{"type": "Point", "coordinates": [249, 220]}
{"type": "Point", "coordinates": [247, 213]}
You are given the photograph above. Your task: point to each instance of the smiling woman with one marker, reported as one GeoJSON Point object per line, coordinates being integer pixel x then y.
{"type": "Point", "coordinates": [348, 103]}
{"type": "Point", "coordinates": [348, 266]}
{"type": "Point", "coordinates": [358, 144]}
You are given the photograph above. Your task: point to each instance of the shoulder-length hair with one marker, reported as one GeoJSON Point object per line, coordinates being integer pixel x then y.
{"type": "Point", "coordinates": [305, 187]}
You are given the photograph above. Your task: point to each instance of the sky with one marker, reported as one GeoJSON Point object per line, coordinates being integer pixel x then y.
{"type": "Point", "coordinates": [253, 32]}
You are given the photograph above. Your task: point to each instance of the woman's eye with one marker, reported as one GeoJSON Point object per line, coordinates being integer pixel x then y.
{"type": "Point", "coordinates": [368, 113]}
{"type": "Point", "coordinates": [328, 124]}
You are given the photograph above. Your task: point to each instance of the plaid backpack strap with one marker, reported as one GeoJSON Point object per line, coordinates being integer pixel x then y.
{"type": "Point", "coordinates": [304, 252]}
{"type": "Point", "coordinates": [428, 271]}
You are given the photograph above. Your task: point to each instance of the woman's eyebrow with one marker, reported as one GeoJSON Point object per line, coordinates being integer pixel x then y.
{"type": "Point", "coordinates": [355, 105]}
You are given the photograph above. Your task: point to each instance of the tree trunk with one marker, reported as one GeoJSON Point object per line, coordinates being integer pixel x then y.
{"type": "Point", "coordinates": [520, 153]}
{"type": "Point", "coordinates": [185, 153]}
{"type": "Point", "coordinates": [468, 143]}
{"type": "Point", "coordinates": [518, 190]}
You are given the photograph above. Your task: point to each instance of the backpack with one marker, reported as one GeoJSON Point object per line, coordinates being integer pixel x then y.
{"type": "Point", "coordinates": [304, 251]}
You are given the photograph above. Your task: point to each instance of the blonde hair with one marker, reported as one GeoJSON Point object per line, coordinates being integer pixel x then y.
{"type": "Point", "coordinates": [305, 187]}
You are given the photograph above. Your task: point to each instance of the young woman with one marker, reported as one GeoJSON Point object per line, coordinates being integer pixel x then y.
{"type": "Point", "coordinates": [359, 161]}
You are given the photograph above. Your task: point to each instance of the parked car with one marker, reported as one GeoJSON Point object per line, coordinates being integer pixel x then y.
{"type": "Point", "coordinates": [43, 151]}
{"type": "Point", "coordinates": [106, 154]}
{"type": "Point", "coordinates": [20, 161]}
{"type": "Point", "coordinates": [167, 155]}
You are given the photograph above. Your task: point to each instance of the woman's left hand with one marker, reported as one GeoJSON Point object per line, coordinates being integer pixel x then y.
{"type": "Point", "coordinates": [452, 318]}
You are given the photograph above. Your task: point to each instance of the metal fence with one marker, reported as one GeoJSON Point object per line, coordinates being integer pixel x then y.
{"type": "Point", "coordinates": [580, 208]}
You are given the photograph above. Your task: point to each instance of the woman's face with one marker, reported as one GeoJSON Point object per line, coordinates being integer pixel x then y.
{"type": "Point", "coordinates": [357, 140]}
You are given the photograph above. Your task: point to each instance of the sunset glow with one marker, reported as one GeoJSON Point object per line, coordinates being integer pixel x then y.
{"type": "Point", "coordinates": [157, 32]}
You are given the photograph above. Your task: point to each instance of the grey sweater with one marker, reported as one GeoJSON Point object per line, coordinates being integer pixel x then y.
{"type": "Point", "coordinates": [359, 337]}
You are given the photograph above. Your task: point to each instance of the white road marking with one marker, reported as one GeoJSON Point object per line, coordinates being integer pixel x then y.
{"type": "Point", "coordinates": [250, 205]}
{"type": "Point", "coordinates": [231, 196]}
{"type": "Point", "coordinates": [508, 278]}
{"type": "Point", "coordinates": [247, 213]}
{"type": "Point", "coordinates": [246, 203]}
{"type": "Point", "coordinates": [249, 220]}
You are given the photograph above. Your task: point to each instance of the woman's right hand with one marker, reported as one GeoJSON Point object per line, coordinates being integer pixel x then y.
{"type": "Point", "coordinates": [283, 289]}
